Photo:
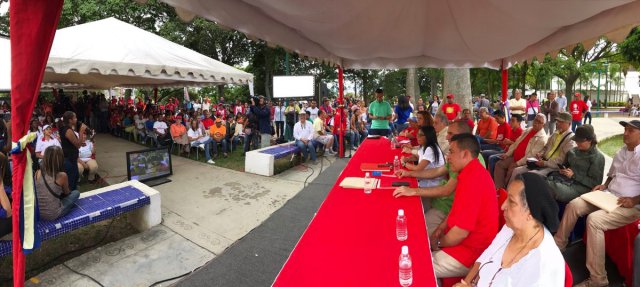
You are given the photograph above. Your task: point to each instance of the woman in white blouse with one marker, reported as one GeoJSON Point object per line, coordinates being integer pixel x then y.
{"type": "Point", "coordinates": [86, 159]}
{"type": "Point", "coordinates": [523, 252]}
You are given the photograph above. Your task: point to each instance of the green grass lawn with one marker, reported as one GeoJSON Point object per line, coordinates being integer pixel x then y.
{"type": "Point", "coordinates": [611, 145]}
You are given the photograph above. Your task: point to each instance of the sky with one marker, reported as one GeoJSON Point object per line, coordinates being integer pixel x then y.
{"type": "Point", "coordinates": [4, 6]}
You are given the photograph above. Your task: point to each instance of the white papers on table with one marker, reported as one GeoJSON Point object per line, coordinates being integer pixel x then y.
{"type": "Point", "coordinates": [358, 182]}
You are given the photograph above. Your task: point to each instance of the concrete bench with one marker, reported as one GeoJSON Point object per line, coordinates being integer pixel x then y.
{"type": "Point", "coordinates": [102, 204]}
{"type": "Point", "coordinates": [261, 161]}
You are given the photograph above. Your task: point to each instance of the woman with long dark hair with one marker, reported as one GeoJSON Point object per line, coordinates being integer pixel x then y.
{"type": "Point", "coordinates": [429, 155]}
{"type": "Point", "coordinates": [402, 113]}
{"type": "Point", "coordinates": [71, 141]}
{"type": "Point", "coordinates": [53, 186]}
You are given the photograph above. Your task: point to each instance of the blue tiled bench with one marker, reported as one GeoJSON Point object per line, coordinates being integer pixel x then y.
{"type": "Point", "coordinates": [102, 204]}
{"type": "Point", "coordinates": [261, 161]}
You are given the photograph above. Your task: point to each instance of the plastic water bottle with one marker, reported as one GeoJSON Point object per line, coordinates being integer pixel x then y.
{"type": "Point", "coordinates": [396, 164]}
{"type": "Point", "coordinates": [393, 142]}
{"type": "Point", "coordinates": [405, 273]}
{"type": "Point", "coordinates": [367, 183]}
{"type": "Point", "coordinates": [401, 226]}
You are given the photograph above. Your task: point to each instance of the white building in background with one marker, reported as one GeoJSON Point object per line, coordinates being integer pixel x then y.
{"type": "Point", "coordinates": [632, 85]}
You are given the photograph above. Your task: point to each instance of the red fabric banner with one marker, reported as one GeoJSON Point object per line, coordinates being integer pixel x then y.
{"type": "Point", "coordinates": [352, 241]}
{"type": "Point", "coordinates": [505, 82]}
{"type": "Point", "coordinates": [32, 26]}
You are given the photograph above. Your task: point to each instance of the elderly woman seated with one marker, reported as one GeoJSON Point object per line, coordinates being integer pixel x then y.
{"type": "Point", "coordinates": [524, 252]}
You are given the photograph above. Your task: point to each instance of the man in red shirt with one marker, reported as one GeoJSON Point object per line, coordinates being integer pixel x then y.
{"type": "Point", "coordinates": [472, 222]}
{"type": "Point", "coordinates": [577, 108]}
{"type": "Point", "coordinates": [451, 109]}
{"type": "Point", "coordinates": [487, 126]}
{"type": "Point", "coordinates": [207, 122]}
{"type": "Point", "coordinates": [490, 147]}
{"type": "Point", "coordinates": [326, 107]}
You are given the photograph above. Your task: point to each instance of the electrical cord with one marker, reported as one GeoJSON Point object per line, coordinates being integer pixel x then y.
{"type": "Point", "coordinates": [82, 274]}
{"type": "Point", "coordinates": [70, 252]}
{"type": "Point", "coordinates": [176, 277]}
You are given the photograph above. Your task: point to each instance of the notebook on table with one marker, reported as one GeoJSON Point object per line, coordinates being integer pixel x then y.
{"type": "Point", "coordinates": [357, 182]}
{"type": "Point", "coordinates": [375, 167]}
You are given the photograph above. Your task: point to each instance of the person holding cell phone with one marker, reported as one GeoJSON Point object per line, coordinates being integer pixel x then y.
{"type": "Point", "coordinates": [582, 170]}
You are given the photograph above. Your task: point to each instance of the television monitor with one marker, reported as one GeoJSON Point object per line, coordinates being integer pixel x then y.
{"type": "Point", "coordinates": [149, 165]}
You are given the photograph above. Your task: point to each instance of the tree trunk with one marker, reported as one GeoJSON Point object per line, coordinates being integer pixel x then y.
{"type": "Point", "coordinates": [570, 81]}
{"type": "Point", "coordinates": [267, 92]}
{"type": "Point", "coordinates": [457, 82]}
{"type": "Point", "coordinates": [434, 86]}
{"type": "Point", "coordinates": [220, 91]}
{"type": "Point", "coordinates": [411, 85]}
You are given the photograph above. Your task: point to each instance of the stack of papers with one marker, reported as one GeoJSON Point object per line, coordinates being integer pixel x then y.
{"type": "Point", "coordinates": [358, 182]}
{"type": "Point", "coordinates": [602, 199]}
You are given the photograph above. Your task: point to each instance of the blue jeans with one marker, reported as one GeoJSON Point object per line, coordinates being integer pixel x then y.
{"type": "Point", "coordinates": [575, 124]}
{"type": "Point", "coordinates": [363, 135]}
{"type": "Point", "coordinates": [354, 138]}
{"type": "Point", "coordinates": [587, 116]}
{"type": "Point", "coordinates": [309, 148]}
{"type": "Point", "coordinates": [250, 141]}
{"type": "Point", "coordinates": [207, 146]}
{"type": "Point", "coordinates": [491, 158]}
{"type": "Point", "coordinates": [71, 166]}
{"type": "Point", "coordinates": [223, 142]}
{"type": "Point", "coordinates": [68, 201]}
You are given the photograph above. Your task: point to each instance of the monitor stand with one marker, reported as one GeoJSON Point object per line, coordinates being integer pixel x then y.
{"type": "Point", "coordinates": [157, 181]}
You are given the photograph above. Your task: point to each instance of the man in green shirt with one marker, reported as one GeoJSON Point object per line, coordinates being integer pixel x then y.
{"type": "Point", "coordinates": [441, 196]}
{"type": "Point", "coordinates": [380, 114]}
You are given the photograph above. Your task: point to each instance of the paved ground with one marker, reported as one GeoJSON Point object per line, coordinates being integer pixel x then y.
{"type": "Point", "coordinates": [210, 207]}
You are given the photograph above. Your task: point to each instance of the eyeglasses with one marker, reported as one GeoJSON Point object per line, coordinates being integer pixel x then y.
{"type": "Point", "coordinates": [474, 281]}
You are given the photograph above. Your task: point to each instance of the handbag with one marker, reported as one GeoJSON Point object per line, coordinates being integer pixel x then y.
{"type": "Point", "coordinates": [556, 176]}
{"type": "Point", "coordinates": [531, 165]}
{"type": "Point", "coordinates": [60, 197]}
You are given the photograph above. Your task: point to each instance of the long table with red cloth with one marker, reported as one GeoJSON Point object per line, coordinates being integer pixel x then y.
{"type": "Point", "coordinates": [351, 241]}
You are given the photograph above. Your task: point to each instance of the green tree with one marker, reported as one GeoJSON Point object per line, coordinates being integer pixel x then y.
{"type": "Point", "coordinates": [630, 48]}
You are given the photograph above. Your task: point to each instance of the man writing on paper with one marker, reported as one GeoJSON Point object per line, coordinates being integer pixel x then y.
{"type": "Point", "coordinates": [624, 182]}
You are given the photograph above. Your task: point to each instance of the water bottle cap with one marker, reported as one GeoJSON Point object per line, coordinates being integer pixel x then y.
{"type": "Point", "coordinates": [366, 174]}
{"type": "Point", "coordinates": [405, 250]}
{"type": "Point", "coordinates": [396, 157]}
{"type": "Point", "coordinates": [401, 212]}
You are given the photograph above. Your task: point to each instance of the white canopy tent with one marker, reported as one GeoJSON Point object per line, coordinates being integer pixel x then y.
{"type": "Point", "coordinates": [420, 33]}
{"type": "Point", "coordinates": [110, 53]}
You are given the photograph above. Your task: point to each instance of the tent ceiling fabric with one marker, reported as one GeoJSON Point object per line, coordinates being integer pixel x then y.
{"type": "Point", "coordinates": [111, 53]}
{"type": "Point", "coordinates": [419, 33]}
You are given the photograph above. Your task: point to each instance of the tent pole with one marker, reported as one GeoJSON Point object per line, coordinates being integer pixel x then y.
{"type": "Point", "coordinates": [339, 122]}
{"type": "Point", "coordinates": [505, 86]}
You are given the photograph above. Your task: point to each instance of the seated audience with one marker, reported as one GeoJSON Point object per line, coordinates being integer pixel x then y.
{"type": "Point", "coordinates": [179, 134]}
{"type": "Point", "coordinates": [523, 253]}
{"type": "Point", "coordinates": [46, 141]}
{"type": "Point", "coordinates": [430, 156]}
{"type": "Point", "coordinates": [441, 196]}
{"type": "Point", "coordinates": [55, 199]}
{"type": "Point", "coordinates": [320, 132]}
{"type": "Point", "coordinates": [440, 123]}
{"type": "Point", "coordinates": [527, 145]}
{"type": "Point", "coordinates": [492, 157]}
{"type": "Point", "coordinates": [468, 118]}
{"type": "Point", "coordinates": [358, 126]}
{"type": "Point", "coordinates": [218, 134]}
{"type": "Point", "coordinates": [472, 222]}
{"type": "Point", "coordinates": [487, 126]}
{"type": "Point", "coordinates": [303, 134]}
{"type": "Point", "coordinates": [584, 167]}
{"type": "Point", "coordinates": [86, 158]}
{"type": "Point", "coordinates": [554, 151]}
{"type": "Point", "coordinates": [140, 128]}
{"type": "Point", "coordinates": [411, 132]}
{"type": "Point", "coordinates": [623, 181]}
{"type": "Point", "coordinates": [160, 129]}
{"type": "Point", "coordinates": [494, 146]}
{"type": "Point", "coordinates": [199, 139]}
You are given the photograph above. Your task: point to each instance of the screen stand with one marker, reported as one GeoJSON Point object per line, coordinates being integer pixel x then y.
{"type": "Point", "coordinates": [157, 181]}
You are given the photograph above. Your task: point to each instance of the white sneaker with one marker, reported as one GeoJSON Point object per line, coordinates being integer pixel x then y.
{"type": "Point", "coordinates": [211, 162]}
{"type": "Point", "coordinates": [201, 146]}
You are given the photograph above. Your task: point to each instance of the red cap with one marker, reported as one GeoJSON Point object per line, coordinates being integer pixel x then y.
{"type": "Point", "coordinates": [450, 96]}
